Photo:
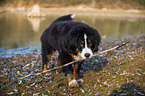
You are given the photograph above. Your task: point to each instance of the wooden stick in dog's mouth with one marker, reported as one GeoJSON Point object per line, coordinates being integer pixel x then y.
{"type": "Point", "coordinates": [116, 47]}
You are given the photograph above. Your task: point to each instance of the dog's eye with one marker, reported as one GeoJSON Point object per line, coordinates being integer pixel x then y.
{"type": "Point", "coordinates": [81, 45]}
{"type": "Point", "coordinates": [90, 44]}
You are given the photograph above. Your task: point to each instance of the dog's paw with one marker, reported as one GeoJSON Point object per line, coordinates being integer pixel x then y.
{"type": "Point", "coordinates": [73, 83]}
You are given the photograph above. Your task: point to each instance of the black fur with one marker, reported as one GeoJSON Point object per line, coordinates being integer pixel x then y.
{"type": "Point", "coordinates": [65, 36]}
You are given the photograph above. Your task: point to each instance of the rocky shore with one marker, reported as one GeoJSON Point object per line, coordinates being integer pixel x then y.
{"type": "Point", "coordinates": [118, 72]}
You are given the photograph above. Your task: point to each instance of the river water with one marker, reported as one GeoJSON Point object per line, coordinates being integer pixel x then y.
{"type": "Point", "coordinates": [21, 35]}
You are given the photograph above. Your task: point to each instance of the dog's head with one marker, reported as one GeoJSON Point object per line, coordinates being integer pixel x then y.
{"type": "Point", "coordinates": [83, 41]}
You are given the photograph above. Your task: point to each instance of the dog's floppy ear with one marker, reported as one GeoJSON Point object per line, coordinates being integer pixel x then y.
{"type": "Point", "coordinates": [68, 43]}
{"type": "Point", "coordinates": [96, 38]}
{"type": "Point", "coordinates": [71, 40]}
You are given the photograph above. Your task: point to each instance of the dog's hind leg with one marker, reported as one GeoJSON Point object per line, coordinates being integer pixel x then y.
{"type": "Point", "coordinates": [46, 56]}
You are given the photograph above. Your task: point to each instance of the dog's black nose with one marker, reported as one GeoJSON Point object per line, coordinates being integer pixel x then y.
{"type": "Point", "coordinates": [87, 55]}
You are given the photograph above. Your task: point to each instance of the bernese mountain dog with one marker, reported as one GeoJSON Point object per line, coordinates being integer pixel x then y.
{"type": "Point", "coordinates": [71, 39]}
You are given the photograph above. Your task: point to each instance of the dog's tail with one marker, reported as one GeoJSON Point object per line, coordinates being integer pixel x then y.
{"type": "Point", "coordinates": [65, 18]}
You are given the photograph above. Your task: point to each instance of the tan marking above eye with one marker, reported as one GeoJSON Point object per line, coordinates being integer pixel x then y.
{"type": "Point", "coordinates": [82, 41]}
{"type": "Point", "coordinates": [77, 49]}
{"type": "Point", "coordinates": [88, 40]}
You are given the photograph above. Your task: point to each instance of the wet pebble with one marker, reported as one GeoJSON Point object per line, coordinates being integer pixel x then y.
{"type": "Point", "coordinates": [29, 87]}
{"type": "Point", "coordinates": [20, 81]}
{"type": "Point", "coordinates": [33, 84]}
{"type": "Point", "coordinates": [10, 93]}
{"type": "Point", "coordinates": [44, 95]}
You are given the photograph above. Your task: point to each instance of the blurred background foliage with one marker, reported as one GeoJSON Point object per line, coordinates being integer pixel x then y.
{"type": "Point", "coordinates": [117, 4]}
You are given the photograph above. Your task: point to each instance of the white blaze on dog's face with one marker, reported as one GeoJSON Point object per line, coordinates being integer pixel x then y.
{"type": "Point", "coordinates": [86, 50]}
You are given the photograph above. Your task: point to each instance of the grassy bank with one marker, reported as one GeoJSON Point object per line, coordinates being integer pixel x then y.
{"type": "Point", "coordinates": [111, 4]}
{"type": "Point", "coordinates": [96, 12]}
{"type": "Point", "coordinates": [82, 11]}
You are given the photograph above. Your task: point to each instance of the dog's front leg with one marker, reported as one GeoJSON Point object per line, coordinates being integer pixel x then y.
{"type": "Point", "coordinates": [46, 56]}
{"type": "Point", "coordinates": [73, 78]}
{"type": "Point", "coordinates": [70, 71]}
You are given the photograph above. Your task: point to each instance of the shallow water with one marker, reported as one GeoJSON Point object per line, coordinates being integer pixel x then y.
{"type": "Point", "coordinates": [19, 35]}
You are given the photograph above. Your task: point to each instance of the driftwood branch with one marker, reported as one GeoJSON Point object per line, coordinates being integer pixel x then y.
{"type": "Point", "coordinates": [116, 47]}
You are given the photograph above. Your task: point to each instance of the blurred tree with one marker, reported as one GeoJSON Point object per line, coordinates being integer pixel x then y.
{"type": "Point", "coordinates": [2, 1]}
{"type": "Point", "coordinates": [94, 3]}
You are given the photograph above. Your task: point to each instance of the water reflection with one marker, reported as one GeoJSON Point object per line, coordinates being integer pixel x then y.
{"type": "Point", "coordinates": [14, 31]}
{"type": "Point", "coordinates": [18, 31]}
{"type": "Point", "coordinates": [111, 29]}
{"type": "Point", "coordinates": [35, 22]}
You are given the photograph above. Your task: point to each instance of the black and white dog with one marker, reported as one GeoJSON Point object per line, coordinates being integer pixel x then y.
{"type": "Point", "coordinates": [71, 39]}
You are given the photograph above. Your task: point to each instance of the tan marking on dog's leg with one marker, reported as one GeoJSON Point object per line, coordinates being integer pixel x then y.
{"type": "Point", "coordinates": [72, 82]}
{"type": "Point", "coordinates": [59, 64]}
{"type": "Point", "coordinates": [49, 57]}
{"type": "Point", "coordinates": [45, 67]}
{"type": "Point", "coordinates": [47, 64]}
{"type": "Point", "coordinates": [69, 77]}
{"type": "Point", "coordinates": [73, 78]}
{"type": "Point", "coordinates": [75, 75]}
